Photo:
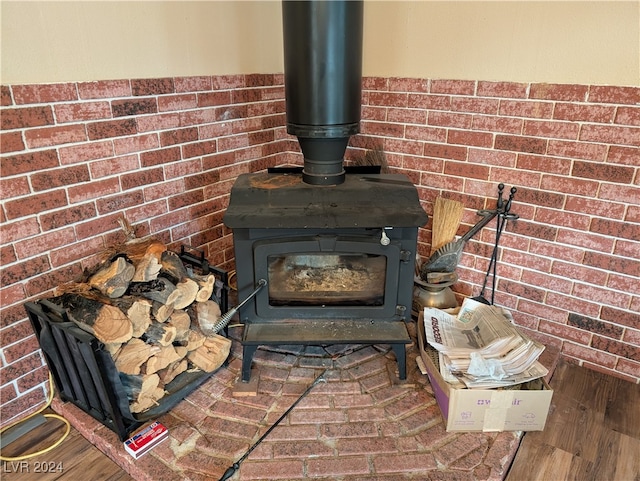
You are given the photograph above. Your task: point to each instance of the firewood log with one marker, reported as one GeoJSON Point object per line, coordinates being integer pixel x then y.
{"type": "Point", "coordinates": [188, 289]}
{"type": "Point", "coordinates": [182, 322]}
{"type": "Point", "coordinates": [139, 248]}
{"type": "Point", "coordinates": [136, 385]}
{"type": "Point", "coordinates": [172, 266]}
{"type": "Point", "coordinates": [161, 312]}
{"type": "Point", "coordinates": [133, 355]}
{"type": "Point", "coordinates": [138, 310]}
{"type": "Point", "coordinates": [107, 323]}
{"type": "Point", "coordinates": [161, 334]}
{"type": "Point", "coordinates": [212, 354]}
{"type": "Point", "coordinates": [162, 359]}
{"type": "Point", "coordinates": [145, 403]}
{"type": "Point", "coordinates": [147, 269]}
{"type": "Point", "coordinates": [112, 325]}
{"type": "Point", "coordinates": [113, 279]}
{"type": "Point", "coordinates": [208, 314]}
{"type": "Point", "coordinates": [113, 348]}
{"type": "Point", "coordinates": [206, 284]}
{"type": "Point", "coordinates": [131, 385]}
{"type": "Point", "coordinates": [148, 395]}
{"type": "Point", "coordinates": [159, 290]}
{"type": "Point", "coordinates": [170, 372]}
{"type": "Point", "coordinates": [218, 343]}
{"type": "Point", "coordinates": [194, 340]}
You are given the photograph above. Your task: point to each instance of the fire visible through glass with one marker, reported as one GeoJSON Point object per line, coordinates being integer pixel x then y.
{"type": "Point", "coordinates": [326, 279]}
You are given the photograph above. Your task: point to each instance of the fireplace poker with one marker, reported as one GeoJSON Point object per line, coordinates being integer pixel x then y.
{"type": "Point", "coordinates": [226, 317]}
{"type": "Point", "coordinates": [232, 469]}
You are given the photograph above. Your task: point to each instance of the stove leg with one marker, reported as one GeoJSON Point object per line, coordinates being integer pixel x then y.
{"type": "Point", "coordinates": [247, 357]}
{"type": "Point", "coordinates": [401, 359]}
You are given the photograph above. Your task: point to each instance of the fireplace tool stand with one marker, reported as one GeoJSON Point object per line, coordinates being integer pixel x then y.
{"type": "Point", "coordinates": [504, 215]}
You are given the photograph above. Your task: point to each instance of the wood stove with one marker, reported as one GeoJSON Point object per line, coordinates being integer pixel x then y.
{"type": "Point", "coordinates": [335, 250]}
{"type": "Point", "coordinates": [338, 260]}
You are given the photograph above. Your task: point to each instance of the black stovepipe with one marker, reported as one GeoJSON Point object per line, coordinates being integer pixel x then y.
{"type": "Point", "coordinates": [323, 82]}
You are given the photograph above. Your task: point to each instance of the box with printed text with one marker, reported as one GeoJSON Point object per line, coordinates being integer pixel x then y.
{"type": "Point", "coordinates": [523, 409]}
{"type": "Point", "coordinates": [142, 442]}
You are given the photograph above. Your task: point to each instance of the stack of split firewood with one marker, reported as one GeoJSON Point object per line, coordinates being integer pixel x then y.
{"type": "Point", "coordinates": [154, 315]}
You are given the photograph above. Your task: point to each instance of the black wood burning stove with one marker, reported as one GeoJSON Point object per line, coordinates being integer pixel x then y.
{"type": "Point", "coordinates": [336, 249]}
{"type": "Point", "coordinates": [338, 260]}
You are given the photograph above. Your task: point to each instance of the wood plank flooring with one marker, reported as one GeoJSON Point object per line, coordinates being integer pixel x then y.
{"type": "Point", "coordinates": [592, 434]}
{"type": "Point", "coordinates": [74, 459]}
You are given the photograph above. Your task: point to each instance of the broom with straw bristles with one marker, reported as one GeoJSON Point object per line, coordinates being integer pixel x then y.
{"type": "Point", "coordinates": [447, 214]}
{"type": "Point", "coordinates": [376, 157]}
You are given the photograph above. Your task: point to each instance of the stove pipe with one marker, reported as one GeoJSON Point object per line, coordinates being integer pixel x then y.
{"type": "Point", "coordinates": [323, 82]}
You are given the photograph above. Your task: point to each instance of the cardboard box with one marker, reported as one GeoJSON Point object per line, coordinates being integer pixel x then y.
{"type": "Point", "coordinates": [524, 409]}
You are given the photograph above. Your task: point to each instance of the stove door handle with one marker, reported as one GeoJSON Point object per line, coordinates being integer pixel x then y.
{"type": "Point", "coordinates": [384, 238]}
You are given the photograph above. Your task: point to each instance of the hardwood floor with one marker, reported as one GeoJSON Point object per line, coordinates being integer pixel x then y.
{"type": "Point", "coordinates": [74, 459]}
{"type": "Point", "coordinates": [592, 434]}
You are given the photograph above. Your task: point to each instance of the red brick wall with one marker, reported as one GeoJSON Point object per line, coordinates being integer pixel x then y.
{"type": "Point", "coordinates": [77, 156]}
{"type": "Point", "coordinates": [570, 266]}
{"type": "Point", "coordinates": [165, 152]}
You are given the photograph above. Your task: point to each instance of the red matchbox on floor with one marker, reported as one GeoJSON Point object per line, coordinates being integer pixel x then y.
{"type": "Point", "coordinates": [146, 439]}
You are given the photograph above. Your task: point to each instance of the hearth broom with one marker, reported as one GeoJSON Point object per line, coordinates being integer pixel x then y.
{"type": "Point", "coordinates": [447, 214]}
{"type": "Point", "coordinates": [374, 157]}
{"type": "Point", "coordinates": [232, 470]}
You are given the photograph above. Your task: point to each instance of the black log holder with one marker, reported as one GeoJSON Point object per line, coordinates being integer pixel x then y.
{"type": "Point", "coordinates": [85, 374]}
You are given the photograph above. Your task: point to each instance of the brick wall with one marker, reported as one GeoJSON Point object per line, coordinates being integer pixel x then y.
{"type": "Point", "coordinates": [570, 265]}
{"type": "Point", "coordinates": [165, 152]}
{"type": "Point", "coordinates": [77, 156]}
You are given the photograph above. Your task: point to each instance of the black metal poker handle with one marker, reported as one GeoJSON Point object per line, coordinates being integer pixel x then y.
{"type": "Point", "coordinates": [233, 468]}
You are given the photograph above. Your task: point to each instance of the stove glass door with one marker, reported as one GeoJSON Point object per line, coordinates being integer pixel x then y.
{"type": "Point", "coordinates": [326, 276]}
{"type": "Point", "coordinates": [326, 279]}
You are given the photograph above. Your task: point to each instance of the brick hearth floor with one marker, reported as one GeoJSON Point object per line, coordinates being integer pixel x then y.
{"type": "Point", "coordinates": [362, 424]}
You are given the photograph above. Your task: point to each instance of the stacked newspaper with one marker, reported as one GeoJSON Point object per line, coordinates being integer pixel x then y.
{"type": "Point", "coordinates": [481, 347]}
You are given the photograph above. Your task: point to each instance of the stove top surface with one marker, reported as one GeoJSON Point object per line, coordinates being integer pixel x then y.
{"type": "Point", "coordinates": [283, 200]}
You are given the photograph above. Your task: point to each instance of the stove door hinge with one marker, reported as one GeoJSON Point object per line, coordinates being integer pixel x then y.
{"type": "Point", "coordinates": [401, 311]}
{"type": "Point", "coordinates": [405, 256]}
